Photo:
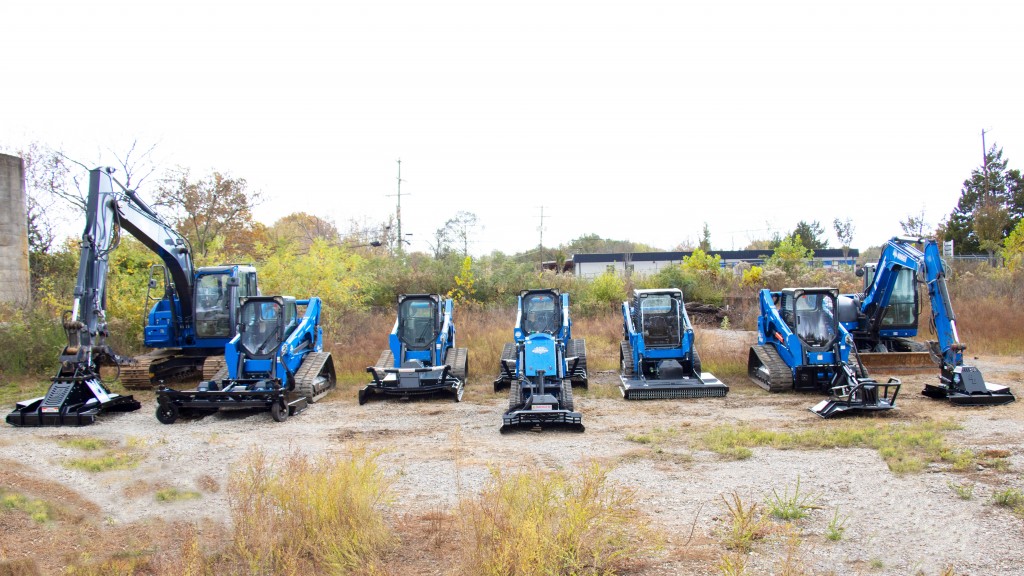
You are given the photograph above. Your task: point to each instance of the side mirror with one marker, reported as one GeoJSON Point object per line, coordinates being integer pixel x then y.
{"type": "Point", "coordinates": [859, 272]}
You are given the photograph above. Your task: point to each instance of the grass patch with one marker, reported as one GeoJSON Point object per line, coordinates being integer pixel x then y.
{"type": "Point", "coordinates": [538, 522]}
{"type": "Point", "coordinates": [88, 444]}
{"type": "Point", "coordinates": [111, 461]}
{"type": "Point", "coordinates": [175, 495]}
{"type": "Point", "coordinates": [836, 527]}
{"type": "Point", "coordinates": [965, 491]}
{"type": "Point", "coordinates": [790, 507]}
{"type": "Point", "coordinates": [746, 524]}
{"type": "Point", "coordinates": [656, 436]}
{"type": "Point", "coordinates": [38, 510]}
{"type": "Point", "coordinates": [732, 564]}
{"type": "Point", "coordinates": [905, 448]}
{"type": "Point", "coordinates": [1011, 498]}
{"type": "Point", "coordinates": [308, 516]}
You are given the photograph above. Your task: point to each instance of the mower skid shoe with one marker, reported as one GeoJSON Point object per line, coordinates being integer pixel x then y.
{"type": "Point", "coordinates": [706, 386]}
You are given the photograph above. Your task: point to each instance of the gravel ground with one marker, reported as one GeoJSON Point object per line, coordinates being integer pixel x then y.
{"type": "Point", "coordinates": [438, 450]}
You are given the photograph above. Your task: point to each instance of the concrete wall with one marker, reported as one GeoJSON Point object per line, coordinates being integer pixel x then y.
{"type": "Point", "coordinates": [14, 280]}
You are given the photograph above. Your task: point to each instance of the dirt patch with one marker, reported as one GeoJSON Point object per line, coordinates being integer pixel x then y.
{"type": "Point", "coordinates": [439, 451]}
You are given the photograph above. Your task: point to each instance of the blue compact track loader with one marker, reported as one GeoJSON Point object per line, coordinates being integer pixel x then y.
{"type": "Point", "coordinates": [421, 358]}
{"type": "Point", "coordinates": [543, 311]}
{"type": "Point", "coordinates": [801, 345]}
{"type": "Point", "coordinates": [541, 370]}
{"type": "Point", "coordinates": [657, 355]}
{"type": "Point", "coordinates": [276, 362]}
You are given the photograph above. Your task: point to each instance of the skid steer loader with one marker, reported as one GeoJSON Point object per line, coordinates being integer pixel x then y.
{"type": "Point", "coordinates": [421, 358]}
{"type": "Point", "coordinates": [276, 362]}
{"type": "Point", "coordinates": [801, 345]}
{"type": "Point", "coordinates": [543, 311]}
{"type": "Point", "coordinates": [657, 354]}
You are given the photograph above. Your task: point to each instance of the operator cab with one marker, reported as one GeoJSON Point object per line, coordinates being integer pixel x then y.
{"type": "Point", "coordinates": [904, 303]}
{"type": "Point", "coordinates": [541, 311]}
{"type": "Point", "coordinates": [219, 291]}
{"type": "Point", "coordinates": [811, 314]}
{"type": "Point", "coordinates": [658, 315]}
{"type": "Point", "coordinates": [264, 322]}
{"type": "Point", "coordinates": [418, 320]}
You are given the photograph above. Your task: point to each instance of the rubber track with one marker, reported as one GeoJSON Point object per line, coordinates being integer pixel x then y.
{"type": "Point", "coordinates": [567, 400]}
{"type": "Point", "coordinates": [135, 376]}
{"type": "Point", "coordinates": [308, 373]}
{"type": "Point", "coordinates": [508, 352]}
{"type": "Point", "coordinates": [215, 368]}
{"type": "Point", "coordinates": [626, 359]}
{"type": "Point", "coordinates": [779, 375]}
{"type": "Point", "coordinates": [514, 393]}
{"type": "Point", "coordinates": [386, 360]}
{"type": "Point", "coordinates": [458, 359]}
{"type": "Point", "coordinates": [578, 347]}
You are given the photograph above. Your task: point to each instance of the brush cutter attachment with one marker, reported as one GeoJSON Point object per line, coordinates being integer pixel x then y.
{"type": "Point", "coordinates": [414, 379]}
{"type": "Point", "coordinates": [965, 386]}
{"type": "Point", "coordinates": [852, 394]}
{"type": "Point", "coordinates": [72, 400]}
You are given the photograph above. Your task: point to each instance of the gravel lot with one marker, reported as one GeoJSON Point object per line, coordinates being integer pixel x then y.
{"type": "Point", "coordinates": [438, 450]}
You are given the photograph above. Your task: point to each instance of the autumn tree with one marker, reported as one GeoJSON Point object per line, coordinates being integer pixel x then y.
{"type": "Point", "coordinates": [203, 209]}
{"type": "Point", "coordinates": [301, 230]}
{"type": "Point", "coordinates": [791, 255]}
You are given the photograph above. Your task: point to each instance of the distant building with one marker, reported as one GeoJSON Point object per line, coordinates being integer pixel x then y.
{"type": "Point", "coordinates": [645, 263]}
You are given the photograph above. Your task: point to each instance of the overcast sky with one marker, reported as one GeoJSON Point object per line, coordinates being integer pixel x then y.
{"type": "Point", "coordinates": [634, 120]}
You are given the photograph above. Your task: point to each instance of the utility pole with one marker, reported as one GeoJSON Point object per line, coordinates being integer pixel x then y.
{"type": "Point", "coordinates": [398, 210]}
{"type": "Point", "coordinates": [984, 152]}
{"type": "Point", "coordinates": [541, 230]}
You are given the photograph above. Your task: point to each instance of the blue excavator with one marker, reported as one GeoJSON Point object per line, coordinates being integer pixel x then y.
{"type": "Point", "coordinates": [657, 355]}
{"type": "Point", "coordinates": [542, 366]}
{"type": "Point", "coordinates": [275, 362]}
{"type": "Point", "coordinates": [887, 317]}
{"type": "Point", "coordinates": [191, 320]}
{"type": "Point", "coordinates": [421, 358]}
{"type": "Point", "coordinates": [803, 346]}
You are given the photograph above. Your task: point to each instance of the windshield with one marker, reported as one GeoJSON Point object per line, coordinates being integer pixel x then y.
{"type": "Point", "coordinates": [902, 309]}
{"type": "Point", "coordinates": [261, 322]}
{"type": "Point", "coordinates": [540, 313]}
{"type": "Point", "coordinates": [417, 323]}
{"type": "Point", "coordinates": [659, 318]}
{"type": "Point", "coordinates": [213, 317]}
{"type": "Point", "coordinates": [815, 322]}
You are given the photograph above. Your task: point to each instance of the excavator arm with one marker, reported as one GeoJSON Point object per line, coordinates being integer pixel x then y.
{"type": "Point", "coordinates": [108, 210]}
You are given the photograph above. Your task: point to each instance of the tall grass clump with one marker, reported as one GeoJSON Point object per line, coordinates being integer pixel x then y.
{"type": "Point", "coordinates": [304, 515]}
{"type": "Point", "coordinates": [538, 522]}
